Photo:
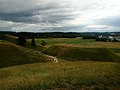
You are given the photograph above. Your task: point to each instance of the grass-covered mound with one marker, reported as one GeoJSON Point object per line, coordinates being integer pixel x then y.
{"type": "Point", "coordinates": [62, 76]}
{"type": "Point", "coordinates": [77, 53]}
{"type": "Point", "coordinates": [11, 54]}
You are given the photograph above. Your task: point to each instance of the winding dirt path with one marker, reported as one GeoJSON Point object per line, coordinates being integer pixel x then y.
{"type": "Point", "coordinates": [54, 58]}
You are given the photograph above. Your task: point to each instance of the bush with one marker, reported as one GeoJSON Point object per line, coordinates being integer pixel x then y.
{"type": "Point", "coordinates": [43, 43]}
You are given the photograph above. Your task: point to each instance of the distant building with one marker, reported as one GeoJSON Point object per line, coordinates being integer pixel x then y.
{"type": "Point", "coordinates": [110, 38]}
{"type": "Point", "coordinates": [118, 39]}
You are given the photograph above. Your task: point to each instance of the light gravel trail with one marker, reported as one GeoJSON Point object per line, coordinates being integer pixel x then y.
{"type": "Point", "coordinates": [54, 58]}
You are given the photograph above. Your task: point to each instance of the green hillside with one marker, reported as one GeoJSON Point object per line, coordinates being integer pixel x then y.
{"type": "Point", "coordinates": [76, 53]}
{"type": "Point", "coordinates": [11, 54]}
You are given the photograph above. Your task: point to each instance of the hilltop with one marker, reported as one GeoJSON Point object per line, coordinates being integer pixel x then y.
{"type": "Point", "coordinates": [73, 53]}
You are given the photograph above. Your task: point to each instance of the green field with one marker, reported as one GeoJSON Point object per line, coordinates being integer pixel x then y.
{"type": "Point", "coordinates": [82, 65]}
{"type": "Point", "coordinates": [65, 41]}
{"type": "Point", "coordinates": [77, 42]}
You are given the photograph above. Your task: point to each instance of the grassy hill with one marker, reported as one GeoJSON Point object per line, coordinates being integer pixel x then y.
{"type": "Point", "coordinates": [11, 54]}
{"type": "Point", "coordinates": [62, 76]}
{"type": "Point", "coordinates": [85, 73]}
{"type": "Point", "coordinates": [77, 53]}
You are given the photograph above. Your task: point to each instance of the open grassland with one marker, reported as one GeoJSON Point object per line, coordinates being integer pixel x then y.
{"type": "Point", "coordinates": [78, 42]}
{"type": "Point", "coordinates": [86, 72]}
{"type": "Point", "coordinates": [75, 42]}
{"type": "Point", "coordinates": [84, 47]}
{"type": "Point", "coordinates": [65, 48]}
{"type": "Point", "coordinates": [64, 41]}
{"type": "Point", "coordinates": [11, 54]}
{"type": "Point", "coordinates": [114, 47]}
{"type": "Point", "coordinates": [69, 75]}
{"type": "Point", "coordinates": [81, 54]}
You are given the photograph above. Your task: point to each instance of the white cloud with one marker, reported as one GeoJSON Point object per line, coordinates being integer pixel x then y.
{"type": "Point", "coordinates": [58, 15]}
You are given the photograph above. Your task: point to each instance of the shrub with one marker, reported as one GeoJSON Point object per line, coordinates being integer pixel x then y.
{"type": "Point", "coordinates": [43, 43]}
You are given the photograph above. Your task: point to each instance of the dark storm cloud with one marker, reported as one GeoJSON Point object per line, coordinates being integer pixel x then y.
{"type": "Point", "coordinates": [37, 16]}
{"type": "Point", "coordinates": [32, 13]}
{"type": "Point", "coordinates": [15, 17]}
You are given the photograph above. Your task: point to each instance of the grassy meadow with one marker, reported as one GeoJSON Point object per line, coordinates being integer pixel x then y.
{"type": "Point", "coordinates": [83, 64]}
{"type": "Point", "coordinates": [77, 42]}
{"type": "Point", "coordinates": [63, 75]}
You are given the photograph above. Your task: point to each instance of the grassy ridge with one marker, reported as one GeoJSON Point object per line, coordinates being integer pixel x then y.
{"type": "Point", "coordinates": [77, 53]}
{"type": "Point", "coordinates": [11, 54]}
{"type": "Point", "coordinates": [66, 75]}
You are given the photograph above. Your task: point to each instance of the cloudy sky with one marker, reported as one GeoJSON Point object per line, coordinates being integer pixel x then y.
{"type": "Point", "coordinates": [60, 15]}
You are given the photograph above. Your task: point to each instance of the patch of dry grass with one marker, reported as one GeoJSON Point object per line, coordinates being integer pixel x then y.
{"type": "Point", "coordinates": [65, 75]}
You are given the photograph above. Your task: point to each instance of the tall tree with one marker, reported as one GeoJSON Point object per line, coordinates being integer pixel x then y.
{"type": "Point", "coordinates": [33, 42]}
